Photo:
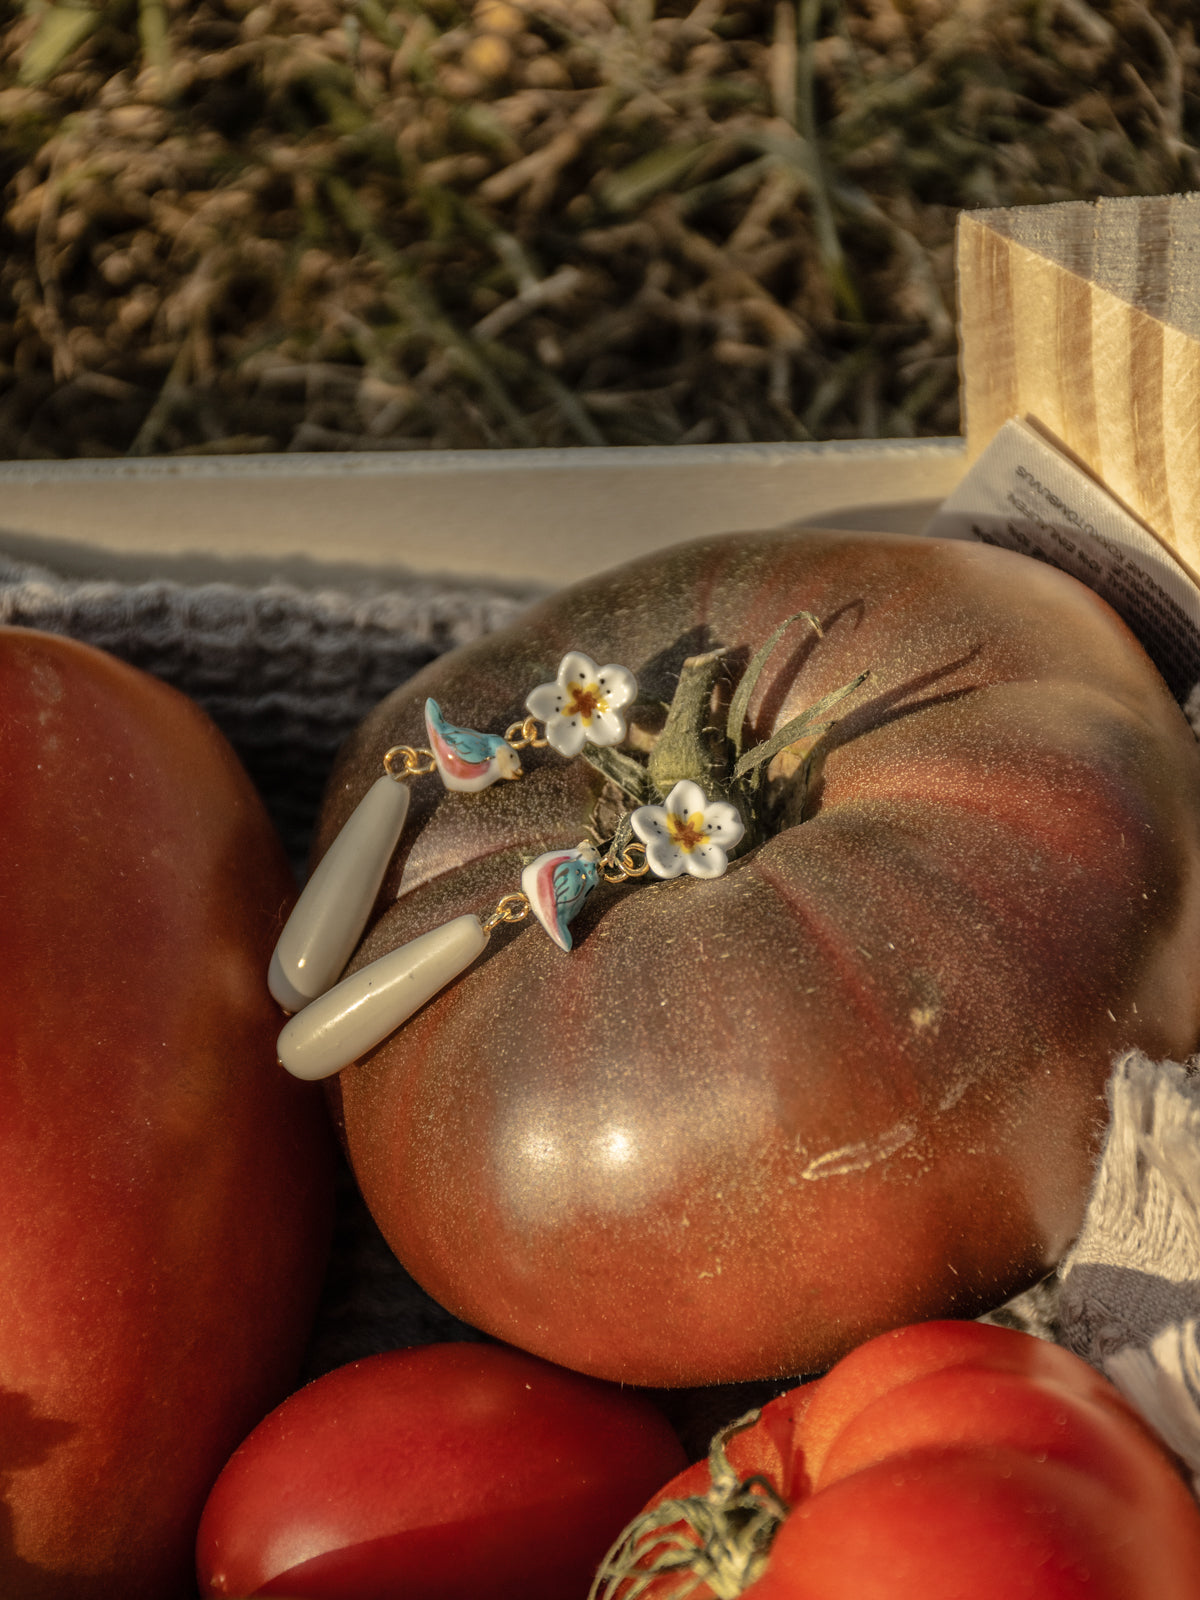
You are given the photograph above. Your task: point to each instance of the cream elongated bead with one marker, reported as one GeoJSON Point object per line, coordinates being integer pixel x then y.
{"type": "Point", "coordinates": [325, 925]}
{"type": "Point", "coordinates": [358, 1013]}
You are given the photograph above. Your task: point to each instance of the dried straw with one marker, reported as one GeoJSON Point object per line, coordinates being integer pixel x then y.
{"type": "Point", "coordinates": [319, 224]}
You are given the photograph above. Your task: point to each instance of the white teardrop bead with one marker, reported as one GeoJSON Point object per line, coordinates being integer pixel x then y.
{"type": "Point", "coordinates": [328, 919]}
{"type": "Point", "coordinates": [361, 1011]}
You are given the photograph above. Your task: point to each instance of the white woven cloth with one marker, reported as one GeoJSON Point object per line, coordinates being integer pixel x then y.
{"type": "Point", "coordinates": [1129, 1288]}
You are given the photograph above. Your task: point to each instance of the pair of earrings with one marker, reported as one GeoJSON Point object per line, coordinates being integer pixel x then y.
{"type": "Point", "coordinates": [334, 1023]}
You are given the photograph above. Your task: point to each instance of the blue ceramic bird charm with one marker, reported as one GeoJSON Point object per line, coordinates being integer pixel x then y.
{"type": "Point", "coordinates": [466, 760]}
{"type": "Point", "coordinates": [556, 885]}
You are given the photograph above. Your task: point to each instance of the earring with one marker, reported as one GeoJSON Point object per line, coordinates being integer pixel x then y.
{"type": "Point", "coordinates": [585, 703]}
{"type": "Point", "coordinates": [688, 833]}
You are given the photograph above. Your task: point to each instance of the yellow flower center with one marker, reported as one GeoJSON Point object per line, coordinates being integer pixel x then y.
{"type": "Point", "coordinates": [585, 700]}
{"type": "Point", "coordinates": [687, 832]}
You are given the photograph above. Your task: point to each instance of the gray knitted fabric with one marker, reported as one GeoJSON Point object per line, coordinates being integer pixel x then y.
{"type": "Point", "coordinates": [285, 673]}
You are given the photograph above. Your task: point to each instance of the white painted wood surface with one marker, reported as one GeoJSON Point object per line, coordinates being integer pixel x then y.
{"type": "Point", "coordinates": [542, 516]}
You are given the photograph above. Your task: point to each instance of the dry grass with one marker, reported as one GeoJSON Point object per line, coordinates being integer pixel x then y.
{"type": "Point", "coordinates": [314, 224]}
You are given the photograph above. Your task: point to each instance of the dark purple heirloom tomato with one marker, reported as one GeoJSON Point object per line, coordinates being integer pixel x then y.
{"type": "Point", "coordinates": [858, 1080]}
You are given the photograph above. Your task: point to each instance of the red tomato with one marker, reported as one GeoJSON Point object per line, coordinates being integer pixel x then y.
{"type": "Point", "coordinates": [957, 1461]}
{"type": "Point", "coordinates": [447, 1472]}
{"type": "Point", "coordinates": [165, 1194]}
{"type": "Point", "coordinates": [882, 1036]}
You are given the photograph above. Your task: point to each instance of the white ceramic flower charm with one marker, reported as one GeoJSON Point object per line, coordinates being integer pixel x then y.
{"type": "Point", "coordinates": [690, 833]}
{"type": "Point", "coordinates": [584, 703]}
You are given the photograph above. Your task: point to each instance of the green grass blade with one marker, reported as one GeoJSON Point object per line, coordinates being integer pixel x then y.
{"type": "Point", "coordinates": [735, 726]}
{"type": "Point", "coordinates": [61, 30]}
{"type": "Point", "coordinates": [807, 724]}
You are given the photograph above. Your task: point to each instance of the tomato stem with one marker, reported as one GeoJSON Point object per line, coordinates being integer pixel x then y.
{"type": "Point", "coordinates": [691, 745]}
{"type": "Point", "coordinates": [715, 1543]}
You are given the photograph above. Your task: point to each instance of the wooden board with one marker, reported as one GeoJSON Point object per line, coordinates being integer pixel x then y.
{"type": "Point", "coordinates": [1085, 318]}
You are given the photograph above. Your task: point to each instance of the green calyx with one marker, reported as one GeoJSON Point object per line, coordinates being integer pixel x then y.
{"type": "Point", "coordinates": [695, 742]}
{"type": "Point", "coordinates": [714, 1543]}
